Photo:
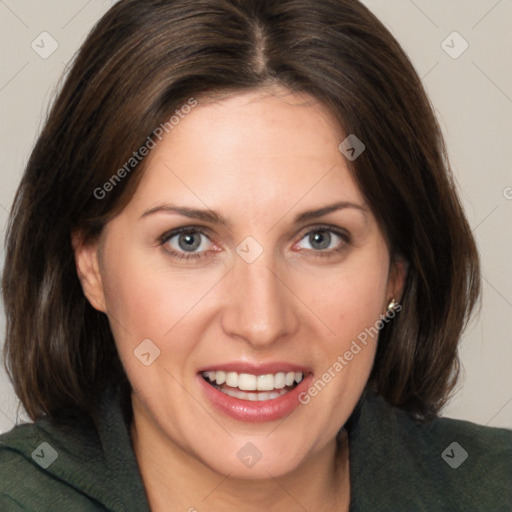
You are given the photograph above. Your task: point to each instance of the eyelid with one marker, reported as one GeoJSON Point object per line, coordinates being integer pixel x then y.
{"type": "Point", "coordinates": [325, 227]}
{"type": "Point", "coordinates": [203, 230]}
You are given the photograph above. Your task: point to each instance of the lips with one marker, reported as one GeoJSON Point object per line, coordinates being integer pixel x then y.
{"type": "Point", "coordinates": [254, 393]}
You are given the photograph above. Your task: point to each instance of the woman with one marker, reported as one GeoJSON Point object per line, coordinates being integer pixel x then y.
{"type": "Point", "coordinates": [237, 272]}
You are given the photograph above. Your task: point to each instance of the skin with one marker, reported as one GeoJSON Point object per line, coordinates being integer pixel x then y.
{"type": "Point", "coordinates": [257, 158]}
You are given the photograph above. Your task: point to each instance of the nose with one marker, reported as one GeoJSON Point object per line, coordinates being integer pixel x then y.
{"type": "Point", "coordinates": [261, 308]}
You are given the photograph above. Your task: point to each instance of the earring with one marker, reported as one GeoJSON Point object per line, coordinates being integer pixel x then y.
{"type": "Point", "coordinates": [392, 306]}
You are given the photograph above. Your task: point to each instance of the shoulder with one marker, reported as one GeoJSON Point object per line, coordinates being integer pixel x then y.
{"type": "Point", "coordinates": [77, 463]}
{"type": "Point", "coordinates": [457, 464]}
{"type": "Point", "coordinates": [488, 442]}
{"type": "Point", "coordinates": [458, 439]}
{"type": "Point", "coordinates": [38, 465]}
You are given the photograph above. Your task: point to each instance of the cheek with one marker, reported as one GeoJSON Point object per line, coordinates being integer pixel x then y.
{"type": "Point", "coordinates": [138, 302]}
{"type": "Point", "coordinates": [147, 300]}
{"type": "Point", "coordinates": [143, 294]}
{"type": "Point", "coordinates": [350, 298]}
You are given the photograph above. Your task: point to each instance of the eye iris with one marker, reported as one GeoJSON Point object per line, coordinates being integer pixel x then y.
{"type": "Point", "coordinates": [321, 238]}
{"type": "Point", "coordinates": [189, 241]}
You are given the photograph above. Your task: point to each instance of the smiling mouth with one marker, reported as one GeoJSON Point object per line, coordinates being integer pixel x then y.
{"type": "Point", "coordinates": [254, 388]}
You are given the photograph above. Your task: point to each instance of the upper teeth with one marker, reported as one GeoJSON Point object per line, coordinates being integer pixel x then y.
{"type": "Point", "coordinates": [248, 382]}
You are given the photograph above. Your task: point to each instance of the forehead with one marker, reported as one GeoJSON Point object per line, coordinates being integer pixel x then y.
{"type": "Point", "coordinates": [257, 151]}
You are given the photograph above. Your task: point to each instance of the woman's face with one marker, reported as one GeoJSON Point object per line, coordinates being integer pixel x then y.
{"type": "Point", "coordinates": [251, 285]}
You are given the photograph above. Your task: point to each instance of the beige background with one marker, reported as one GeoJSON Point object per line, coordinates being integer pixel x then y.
{"type": "Point", "coordinates": [472, 95]}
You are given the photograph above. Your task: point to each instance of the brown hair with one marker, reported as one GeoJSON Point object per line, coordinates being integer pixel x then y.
{"type": "Point", "coordinates": [141, 62]}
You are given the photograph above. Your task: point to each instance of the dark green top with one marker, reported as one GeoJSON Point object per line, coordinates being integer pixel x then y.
{"type": "Point", "coordinates": [396, 465]}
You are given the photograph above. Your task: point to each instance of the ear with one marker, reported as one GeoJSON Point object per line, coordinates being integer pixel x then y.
{"type": "Point", "coordinates": [88, 270]}
{"type": "Point", "coordinates": [397, 278]}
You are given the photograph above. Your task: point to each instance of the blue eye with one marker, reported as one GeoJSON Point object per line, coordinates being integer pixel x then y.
{"type": "Point", "coordinates": [191, 242]}
{"type": "Point", "coordinates": [324, 241]}
{"type": "Point", "coordinates": [183, 242]}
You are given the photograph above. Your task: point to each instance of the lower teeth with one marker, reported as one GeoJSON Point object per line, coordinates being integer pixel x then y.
{"type": "Point", "coordinates": [252, 397]}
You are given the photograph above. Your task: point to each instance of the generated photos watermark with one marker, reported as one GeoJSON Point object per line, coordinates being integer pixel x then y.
{"type": "Point", "coordinates": [454, 455]}
{"type": "Point", "coordinates": [343, 360]}
{"type": "Point", "coordinates": [45, 455]}
{"type": "Point", "coordinates": [145, 149]}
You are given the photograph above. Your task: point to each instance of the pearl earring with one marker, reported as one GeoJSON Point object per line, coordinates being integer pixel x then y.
{"type": "Point", "coordinates": [392, 306]}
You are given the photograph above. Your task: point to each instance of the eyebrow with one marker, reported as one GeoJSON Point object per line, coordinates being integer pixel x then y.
{"type": "Point", "coordinates": [207, 215]}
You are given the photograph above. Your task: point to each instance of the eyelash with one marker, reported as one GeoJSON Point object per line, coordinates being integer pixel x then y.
{"type": "Point", "coordinates": [199, 255]}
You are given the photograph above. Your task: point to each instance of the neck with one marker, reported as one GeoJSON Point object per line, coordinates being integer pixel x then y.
{"type": "Point", "coordinates": [176, 478]}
